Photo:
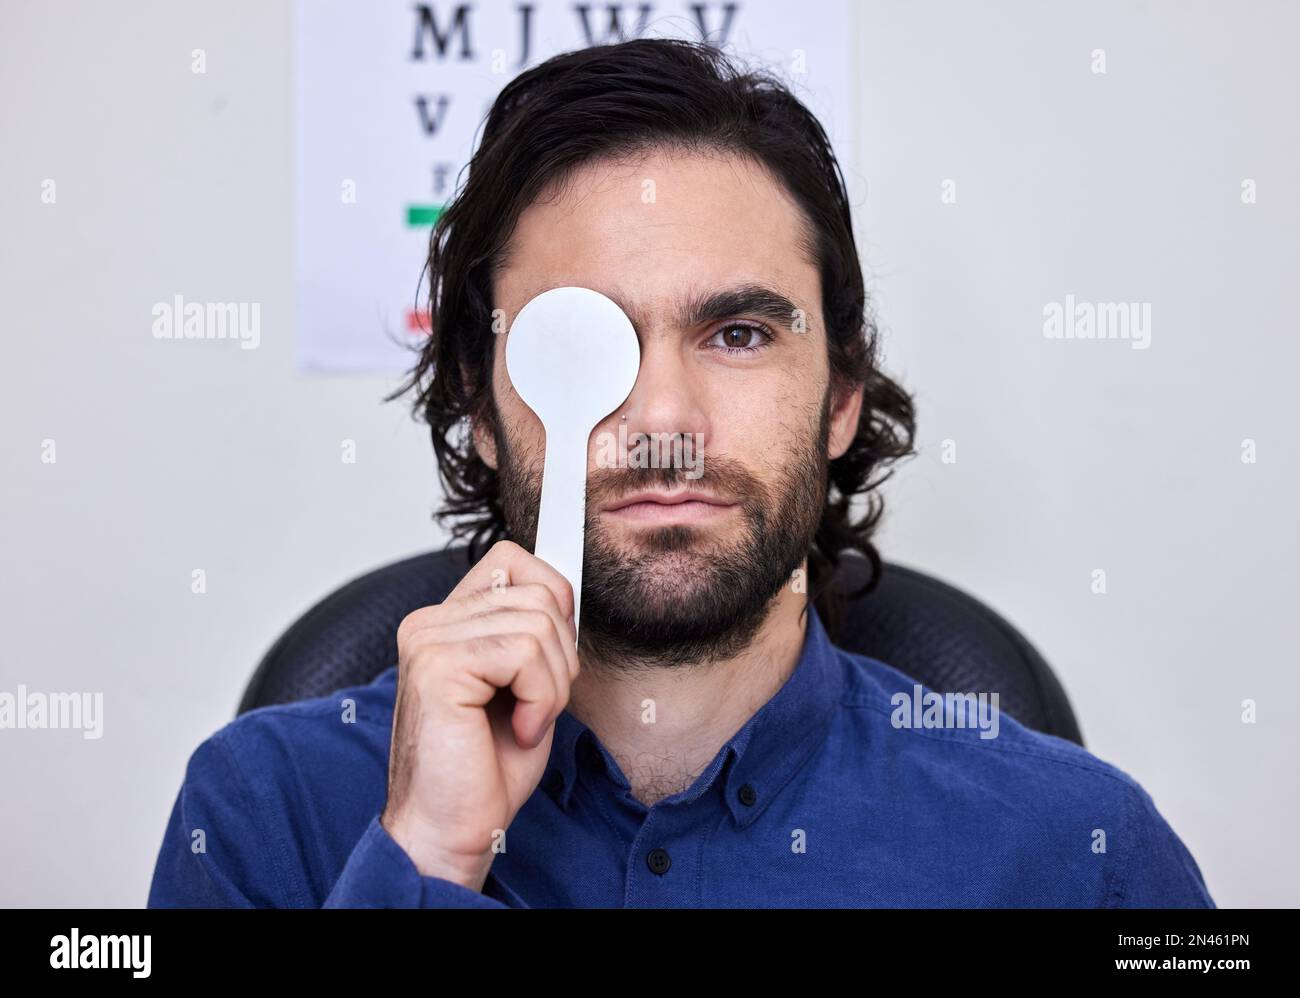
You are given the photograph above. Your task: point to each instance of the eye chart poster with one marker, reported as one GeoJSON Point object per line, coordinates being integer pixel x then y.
{"type": "Point", "coordinates": [390, 97]}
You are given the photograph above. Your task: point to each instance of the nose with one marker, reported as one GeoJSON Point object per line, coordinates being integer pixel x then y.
{"type": "Point", "coordinates": [666, 398]}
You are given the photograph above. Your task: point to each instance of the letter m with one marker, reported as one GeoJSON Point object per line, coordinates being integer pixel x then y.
{"type": "Point", "coordinates": [426, 25]}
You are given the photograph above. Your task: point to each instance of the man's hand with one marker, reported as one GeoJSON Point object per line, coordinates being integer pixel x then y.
{"type": "Point", "coordinates": [481, 679]}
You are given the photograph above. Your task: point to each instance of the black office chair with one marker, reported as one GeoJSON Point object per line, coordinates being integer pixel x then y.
{"type": "Point", "coordinates": [938, 635]}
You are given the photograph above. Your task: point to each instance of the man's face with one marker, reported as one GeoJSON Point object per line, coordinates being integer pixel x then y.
{"type": "Point", "coordinates": [742, 384]}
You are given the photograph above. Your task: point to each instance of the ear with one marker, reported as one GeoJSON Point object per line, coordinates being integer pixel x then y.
{"type": "Point", "coordinates": [844, 423]}
{"type": "Point", "coordinates": [484, 442]}
{"type": "Point", "coordinates": [481, 432]}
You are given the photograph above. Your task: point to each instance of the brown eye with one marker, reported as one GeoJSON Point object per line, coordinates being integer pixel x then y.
{"type": "Point", "coordinates": [741, 338]}
{"type": "Point", "coordinates": [737, 336]}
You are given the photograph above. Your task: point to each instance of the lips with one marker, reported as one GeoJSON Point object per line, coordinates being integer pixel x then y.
{"type": "Point", "coordinates": [665, 499]}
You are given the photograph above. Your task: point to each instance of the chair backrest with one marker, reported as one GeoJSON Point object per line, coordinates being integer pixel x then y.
{"type": "Point", "coordinates": [937, 634]}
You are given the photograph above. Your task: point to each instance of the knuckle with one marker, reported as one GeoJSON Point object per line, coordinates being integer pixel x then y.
{"type": "Point", "coordinates": [414, 621]}
{"type": "Point", "coordinates": [529, 644]}
{"type": "Point", "coordinates": [540, 623]}
{"type": "Point", "coordinates": [408, 624]}
{"type": "Point", "coordinates": [524, 644]}
{"type": "Point", "coordinates": [488, 644]}
{"type": "Point", "coordinates": [538, 595]}
{"type": "Point", "coordinates": [506, 550]}
{"type": "Point", "coordinates": [423, 657]}
{"type": "Point", "coordinates": [514, 647]}
{"type": "Point", "coordinates": [567, 589]}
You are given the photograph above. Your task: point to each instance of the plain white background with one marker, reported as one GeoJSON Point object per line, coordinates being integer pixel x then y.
{"type": "Point", "coordinates": [1071, 455]}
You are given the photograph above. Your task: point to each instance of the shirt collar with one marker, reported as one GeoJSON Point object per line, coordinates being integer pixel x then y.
{"type": "Point", "coordinates": [760, 758]}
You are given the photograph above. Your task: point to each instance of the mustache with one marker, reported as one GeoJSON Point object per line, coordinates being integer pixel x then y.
{"type": "Point", "coordinates": [725, 478]}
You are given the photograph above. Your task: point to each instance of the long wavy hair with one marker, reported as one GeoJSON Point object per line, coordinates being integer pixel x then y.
{"type": "Point", "coordinates": [609, 100]}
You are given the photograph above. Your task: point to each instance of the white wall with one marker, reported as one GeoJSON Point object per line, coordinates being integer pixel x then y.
{"type": "Point", "coordinates": [1071, 455]}
{"type": "Point", "coordinates": [1075, 455]}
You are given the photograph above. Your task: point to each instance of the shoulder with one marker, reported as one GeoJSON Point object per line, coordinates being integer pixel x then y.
{"type": "Point", "coordinates": [290, 788]}
{"type": "Point", "coordinates": [970, 731]}
{"type": "Point", "coordinates": [368, 706]}
{"type": "Point", "coordinates": [317, 764]}
{"type": "Point", "coordinates": [1021, 782]}
{"type": "Point", "coordinates": [308, 736]}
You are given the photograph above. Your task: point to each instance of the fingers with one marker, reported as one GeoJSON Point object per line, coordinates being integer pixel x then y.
{"type": "Point", "coordinates": [507, 624]}
{"type": "Point", "coordinates": [522, 618]}
{"type": "Point", "coordinates": [508, 564]}
{"type": "Point", "coordinates": [534, 597]}
{"type": "Point", "coordinates": [480, 666]}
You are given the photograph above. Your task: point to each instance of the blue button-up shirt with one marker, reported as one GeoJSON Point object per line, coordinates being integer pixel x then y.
{"type": "Point", "coordinates": [824, 798]}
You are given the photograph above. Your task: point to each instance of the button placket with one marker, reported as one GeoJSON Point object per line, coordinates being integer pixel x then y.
{"type": "Point", "coordinates": [665, 862]}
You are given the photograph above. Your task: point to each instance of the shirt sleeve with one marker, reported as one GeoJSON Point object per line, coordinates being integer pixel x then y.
{"type": "Point", "coordinates": [218, 853]}
{"type": "Point", "coordinates": [379, 874]}
{"type": "Point", "coordinates": [1160, 871]}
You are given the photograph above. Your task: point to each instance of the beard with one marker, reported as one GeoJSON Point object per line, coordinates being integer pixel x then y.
{"type": "Point", "coordinates": [677, 595]}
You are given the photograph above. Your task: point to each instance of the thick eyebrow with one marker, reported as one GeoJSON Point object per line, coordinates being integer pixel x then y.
{"type": "Point", "coordinates": [747, 299]}
{"type": "Point", "coordinates": [724, 303]}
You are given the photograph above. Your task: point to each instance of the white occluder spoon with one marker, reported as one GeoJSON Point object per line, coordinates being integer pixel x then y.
{"type": "Point", "coordinates": [573, 357]}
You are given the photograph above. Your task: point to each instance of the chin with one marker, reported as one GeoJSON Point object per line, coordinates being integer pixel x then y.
{"type": "Point", "coordinates": [674, 572]}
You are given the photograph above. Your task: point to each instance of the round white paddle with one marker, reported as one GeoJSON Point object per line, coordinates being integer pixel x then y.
{"type": "Point", "coordinates": [573, 357]}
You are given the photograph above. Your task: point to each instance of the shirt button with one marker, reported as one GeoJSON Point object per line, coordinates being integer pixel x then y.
{"type": "Point", "coordinates": [658, 860]}
{"type": "Point", "coordinates": [748, 795]}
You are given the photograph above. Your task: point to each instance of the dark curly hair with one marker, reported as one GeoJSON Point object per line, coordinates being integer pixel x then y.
{"type": "Point", "coordinates": [614, 99]}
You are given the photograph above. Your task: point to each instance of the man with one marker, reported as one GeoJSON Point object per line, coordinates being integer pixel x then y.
{"type": "Point", "coordinates": [705, 744]}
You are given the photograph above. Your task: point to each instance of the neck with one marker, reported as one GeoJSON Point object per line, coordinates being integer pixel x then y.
{"type": "Point", "coordinates": [663, 745]}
